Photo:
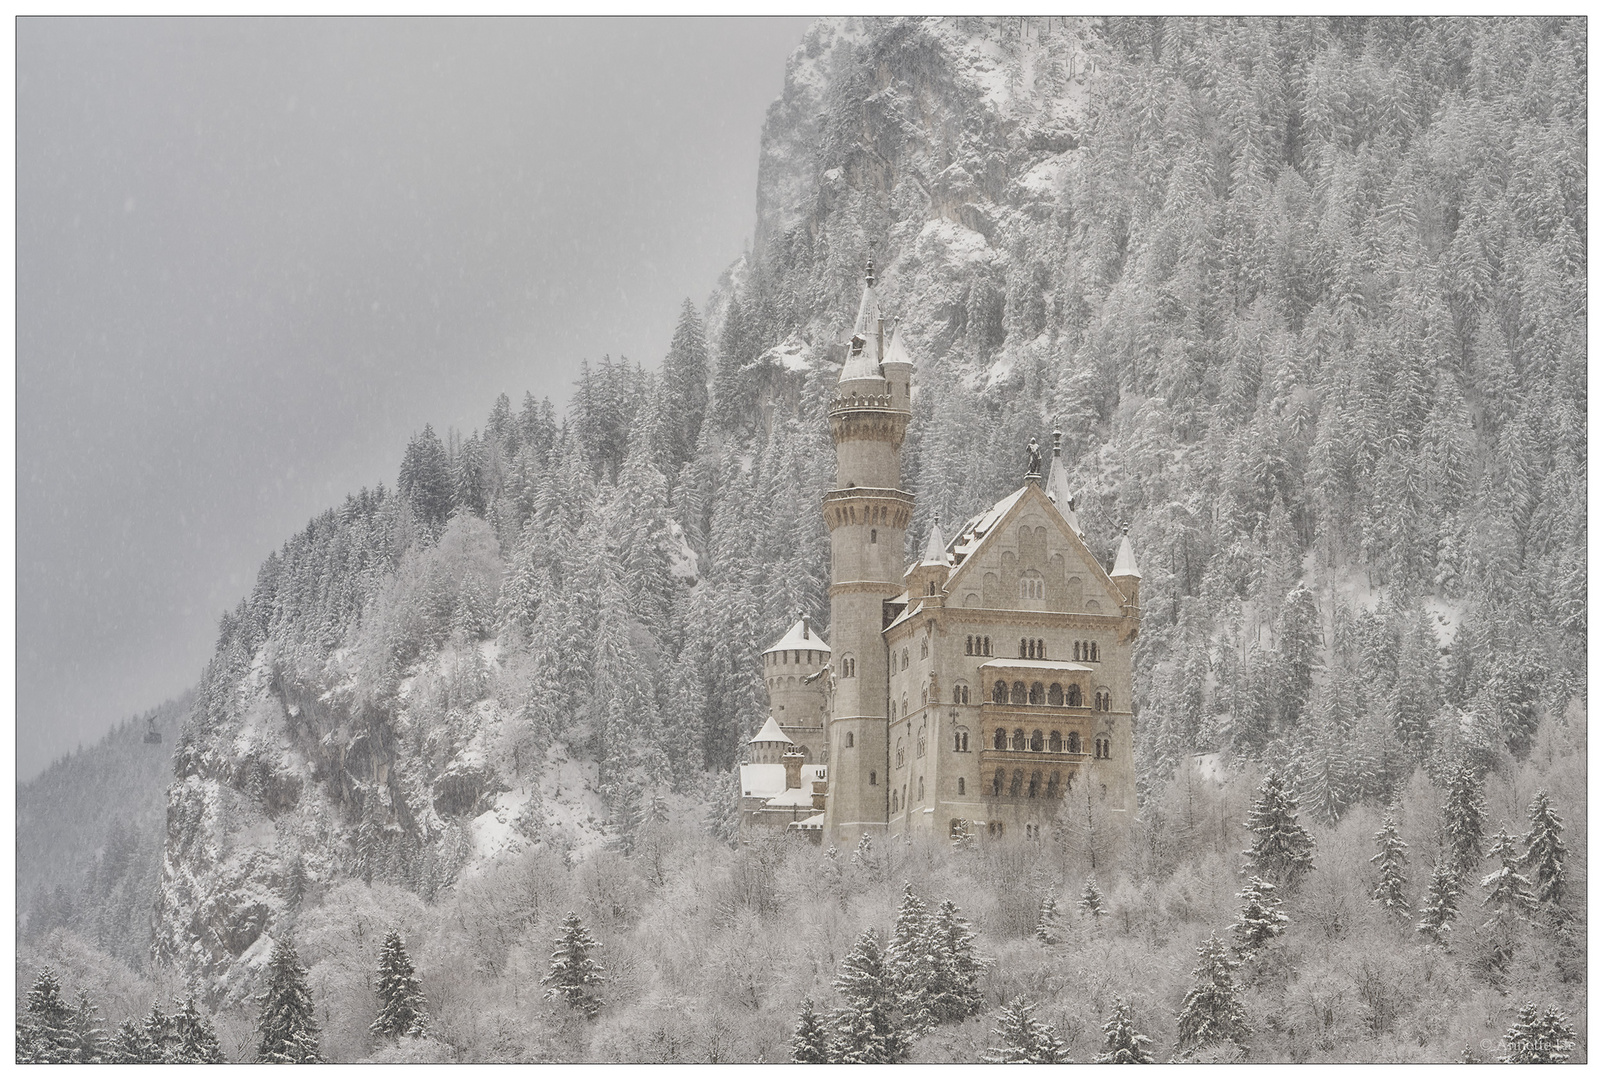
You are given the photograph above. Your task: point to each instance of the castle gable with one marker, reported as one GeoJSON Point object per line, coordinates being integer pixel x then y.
{"type": "Point", "coordinates": [1023, 555]}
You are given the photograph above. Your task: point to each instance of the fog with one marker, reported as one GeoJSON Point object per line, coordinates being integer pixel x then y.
{"type": "Point", "coordinates": [254, 256]}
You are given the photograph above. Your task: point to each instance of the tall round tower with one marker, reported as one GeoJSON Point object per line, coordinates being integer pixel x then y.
{"type": "Point", "coordinates": [867, 514]}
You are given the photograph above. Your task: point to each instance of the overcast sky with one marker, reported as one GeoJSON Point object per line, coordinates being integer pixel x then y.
{"type": "Point", "coordinates": [254, 256]}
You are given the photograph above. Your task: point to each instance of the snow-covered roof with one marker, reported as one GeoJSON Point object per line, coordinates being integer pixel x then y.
{"type": "Point", "coordinates": [1057, 486]}
{"type": "Point", "coordinates": [1036, 665]}
{"type": "Point", "coordinates": [814, 822]}
{"type": "Point", "coordinates": [976, 528]}
{"type": "Point", "coordinates": [1124, 563]}
{"type": "Point", "coordinates": [801, 635]}
{"type": "Point", "coordinates": [909, 612]}
{"type": "Point", "coordinates": [935, 550]}
{"type": "Point", "coordinates": [771, 733]}
{"type": "Point", "coordinates": [863, 351]}
{"type": "Point", "coordinates": [896, 352]}
{"type": "Point", "coordinates": [768, 782]}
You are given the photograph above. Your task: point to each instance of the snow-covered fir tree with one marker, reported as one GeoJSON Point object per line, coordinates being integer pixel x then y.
{"type": "Point", "coordinates": [45, 1031]}
{"type": "Point", "coordinates": [575, 977]}
{"type": "Point", "coordinates": [88, 1037]}
{"type": "Point", "coordinates": [809, 1043]}
{"type": "Point", "coordinates": [866, 1030]}
{"type": "Point", "coordinates": [1281, 847]}
{"type": "Point", "coordinates": [1391, 889]}
{"type": "Point", "coordinates": [1122, 1044]}
{"type": "Point", "coordinates": [1212, 1012]}
{"type": "Point", "coordinates": [955, 993]}
{"type": "Point", "coordinates": [402, 1009]}
{"type": "Point", "coordinates": [913, 961]}
{"type": "Point", "coordinates": [131, 1046]}
{"type": "Point", "coordinates": [1508, 892]}
{"type": "Point", "coordinates": [1090, 901]}
{"type": "Point", "coordinates": [1545, 1039]}
{"type": "Point", "coordinates": [1260, 920]}
{"type": "Point", "coordinates": [1544, 852]}
{"type": "Point", "coordinates": [1464, 819]}
{"type": "Point", "coordinates": [195, 1037]}
{"type": "Point", "coordinates": [287, 1032]}
{"type": "Point", "coordinates": [1024, 1039]}
{"type": "Point", "coordinates": [1049, 921]}
{"type": "Point", "coordinates": [1439, 906]}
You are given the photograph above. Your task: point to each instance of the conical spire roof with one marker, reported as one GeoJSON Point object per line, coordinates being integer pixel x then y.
{"type": "Point", "coordinates": [896, 351]}
{"type": "Point", "coordinates": [935, 550]}
{"type": "Point", "coordinates": [1057, 485]}
{"type": "Point", "coordinates": [771, 733]}
{"type": "Point", "coordinates": [1124, 562]}
{"type": "Point", "coordinates": [801, 635]}
{"type": "Point", "coordinates": [863, 352]}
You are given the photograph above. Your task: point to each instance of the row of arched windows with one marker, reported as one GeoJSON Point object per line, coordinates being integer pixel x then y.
{"type": "Point", "coordinates": [977, 646]}
{"type": "Point", "coordinates": [960, 740]}
{"type": "Point", "coordinates": [1087, 650]}
{"type": "Point", "coordinates": [960, 694]}
{"type": "Point", "coordinates": [1017, 786]}
{"type": "Point", "coordinates": [1035, 694]}
{"type": "Point", "coordinates": [1032, 649]}
{"type": "Point", "coordinates": [848, 667]}
{"type": "Point", "coordinates": [1104, 747]}
{"type": "Point", "coordinates": [1032, 587]}
{"type": "Point", "coordinates": [1054, 743]}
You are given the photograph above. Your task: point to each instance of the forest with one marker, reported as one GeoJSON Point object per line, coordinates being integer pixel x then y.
{"type": "Point", "coordinates": [1307, 298]}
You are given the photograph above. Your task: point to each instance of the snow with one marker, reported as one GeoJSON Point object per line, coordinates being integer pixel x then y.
{"type": "Point", "coordinates": [495, 831]}
{"type": "Point", "coordinates": [771, 733]}
{"type": "Point", "coordinates": [950, 244]}
{"type": "Point", "coordinates": [801, 635]}
{"type": "Point", "coordinates": [1037, 665]}
{"type": "Point", "coordinates": [790, 354]}
{"type": "Point", "coordinates": [682, 561]}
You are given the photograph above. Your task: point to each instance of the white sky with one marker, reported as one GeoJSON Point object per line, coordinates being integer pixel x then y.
{"type": "Point", "coordinates": [254, 256]}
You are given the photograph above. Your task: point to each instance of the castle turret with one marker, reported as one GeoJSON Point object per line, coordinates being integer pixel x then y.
{"type": "Point", "coordinates": [1057, 485]}
{"type": "Point", "coordinates": [927, 578]}
{"type": "Point", "coordinates": [795, 670]}
{"type": "Point", "coordinates": [1126, 575]}
{"type": "Point", "coordinates": [867, 514]}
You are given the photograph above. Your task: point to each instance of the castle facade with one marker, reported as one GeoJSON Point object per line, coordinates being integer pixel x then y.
{"type": "Point", "coordinates": [967, 693]}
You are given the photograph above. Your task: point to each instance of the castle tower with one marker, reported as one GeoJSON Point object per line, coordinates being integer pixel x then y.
{"type": "Point", "coordinates": [795, 670]}
{"type": "Point", "coordinates": [867, 514]}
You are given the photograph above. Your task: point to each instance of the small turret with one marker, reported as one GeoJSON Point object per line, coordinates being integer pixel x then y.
{"type": "Point", "coordinates": [866, 350]}
{"type": "Point", "coordinates": [1057, 485]}
{"type": "Point", "coordinates": [927, 578]}
{"type": "Point", "coordinates": [1126, 575]}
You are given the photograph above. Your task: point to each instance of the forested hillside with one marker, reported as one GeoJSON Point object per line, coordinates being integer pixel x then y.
{"type": "Point", "coordinates": [1307, 298]}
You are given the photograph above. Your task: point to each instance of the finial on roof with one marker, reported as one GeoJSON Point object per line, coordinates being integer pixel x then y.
{"type": "Point", "coordinates": [935, 550]}
{"type": "Point", "coordinates": [1057, 438]}
{"type": "Point", "coordinates": [807, 626]}
{"type": "Point", "coordinates": [869, 274]}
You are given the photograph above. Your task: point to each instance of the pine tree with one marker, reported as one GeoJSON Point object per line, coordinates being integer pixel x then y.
{"type": "Point", "coordinates": [45, 1033]}
{"type": "Point", "coordinates": [574, 975]}
{"type": "Point", "coordinates": [160, 1036]}
{"type": "Point", "coordinates": [865, 1030]}
{"type": "Point", "coordinates": [1025, 1040]}
{"type": "Point", "coordinates": [1281, 848]}
{"type": "Point", "coordinates": [196, 1038]}
{"type": "Point", "coordinates": [1049, 924]}
{"type": "Point", "coordinates": [1548, 1039]}
{"type": "Point", "coordinates": [1464, 817]}
{"type": "Point", "coordinates": [1393, 856]}
{"type": "Point", "coordinates": [1261, 919]}
{"type": "Point", "coordinates": [956, 993]}
{"type": "Point", "coordinates": [131, 1046]}
{"type": "Point", "coordinates": [684, 390]}
{"type": "Point", "coordinates": [1121, 1043]}
{"type": "Point", "coordinates": [89, 1038]}
{"type": "Point", "coordinates": [809, 1044]}
{"type": "Point", "coordinates": [1508, 892]}
{"type": "Point", "coordinates": [911, 961]}
{"type": "Point", "coordinates": [1091, 899]}
{"type": "Point", "coordinates": [401, 1005]}
{"type": "Point", "coordinates": [1212, 1012]}
{"type": "Point", "coordinates": [1544, 852]}
{"type": "Point", "coordinates": [1440, 903]}
{"type": "Point", "coordinates": [287, 1033]}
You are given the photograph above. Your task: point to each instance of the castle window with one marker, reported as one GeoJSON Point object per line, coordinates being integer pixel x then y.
{"type": "Point", "coordinates": [1074, 742]}
{"type": "Point", "coordinates": [1020, 695]}
{"type": "Point", "coordinates": [848, 667]}
{"type": "Point", "coordinates": [1031, 587]}
{"type": "Point", "coordinates": [873, 536]}
{"type": "Point", "coordinates": [849, 741]}
{"type": "Point", "coordinates": [924, 646]}
{"type": "Point", "coordinates": [1052, 787]}
{"type": "Point", "coordinates": [968, 645]}
{"type": "Point", "coordinates": [1032, 832]}
{"type": "Point", "coordinates": [1077, 651]}
{"type": "Point", "coordinates": [921, 789]}
{"type": "Point", "coordinates": [923, 740]}
{"type": "Point", "coordinates": [1035, 784]}
{"type": "Point", "coordinates": [1036, 741]}
{"type": "Point", "coordinates": [1096, 654]}
{"type": "Point", "coordinates": [956, 828]}
{"type": "Point", "coordinates": [1054, 743]}
{"type": "Point", "coordinates": [893, 800]}
{"type": "Point", "coordinates": [960, 786]}
{"type": "Point", "coordinates": [1040, 648]}
{"type": "Point", "coordinates": [987, 646]}
{"type": "Point", "coordinates": [901, 753]}
{"type": "Point", "coordinates": [996, 784]}
{"type": "Point", "coordinates": [1018, 739]}
{"type": "Point", "coordinates": [932, 588]}
{"type": "Point", "coordinates": [1000, 741]}
{"type": "Point", "coordinates": [1037, 694]}
{"type": "Point", "coordinates": [904, 659]}
{"type": "Point", "coordinates": [1074, 695]}
{"type": "Point", "coordinates": [962, 737]}
{"type": "Point", "coordinates": [873, 778]}
{"type": "Point", "coordinates": [999, 692]}
{"type": "Point", "coordinates": [1017, 786]}
{"type": "Point", "coordinates": [1054, 694]}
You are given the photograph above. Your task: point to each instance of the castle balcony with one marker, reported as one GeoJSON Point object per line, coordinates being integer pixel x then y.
{"type": "Point", "coordinates": [868, 506]}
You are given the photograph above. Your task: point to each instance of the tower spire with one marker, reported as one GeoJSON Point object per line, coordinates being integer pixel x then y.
{"type": "Point", "coordinates": [1057, 482]}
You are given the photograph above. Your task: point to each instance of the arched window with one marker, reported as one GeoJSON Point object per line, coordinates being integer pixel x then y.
{"type": "Point", "coordinates": [1037, 694]}
{"type": "Point", "coordinates": [924, 695]}
{"type": "Point", "coordinates": [924, 649]}
{"type": "Point", "coordinates": [1076, 652]}
{"type": "Point", "coordinates": [1052, 786]}
{"type": "Point", "coordinates": [923, 739]}
{"type": "Point", "coordinates": [968, 645]}
{"type": "Point", "coordinates": [1074, 742]}
{"type": "Point", "coordinates": [1018, 739]}
{"type": "Point", "coordinates": [1024, 649]}
{"type": "Point", "coordinates": [1074, 695]}
{"type": "Point", "coordinates": [904, 659]}
{"type": "Point", "coordinates": [1020, 695]}
{"type": "Point", "coordinates": [904, 705]}
{"type": "Point", "coordinates": [848, 666]}
{"type": "Point", "coordinates": [960, 740]}
{"type": "Point", "coordinates": [1036, 742]}
{"type": "Point", "coordinates": [1035, 784]}
{"type": "Point", "coordinates": [873, 536]}
{"type": "Point", "coordinates": [987, 646]}
{"type": "Point", "coordinates": [1000, 741]}
{"type": "Point", "coordinates": [1040, 648]}
{"type": "Point", "coordinates": [962, 734]}
{"type": "Point", "coordinates": [996, 784]}
{"type": "Point", "coordinates": [1054, 743]}
{"type": "Point", "coordinates": [1031, 587]}
{"type": "Point", "coordinates": [1017, 786]}
{"type": "Point", "coordinates": [849, 741]}
{"type": "Point", "coordinates": [921, 789]}
{"type": "Point", "coordinates": [999, 692]}
{"type": "Point", "coordinates": [893, 800]}
{"type": "Point", "coordinates": [901, 752]}
{"type": "Point", "coordinates": [960, 786]}
{"type": "Point", "coordinates": [873, 778]}
{"type": "Point", "coordinates": [1054, 694]}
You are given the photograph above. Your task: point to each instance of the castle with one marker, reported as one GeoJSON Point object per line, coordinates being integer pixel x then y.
{"type": "Point", "coordinates": [965, 694]}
